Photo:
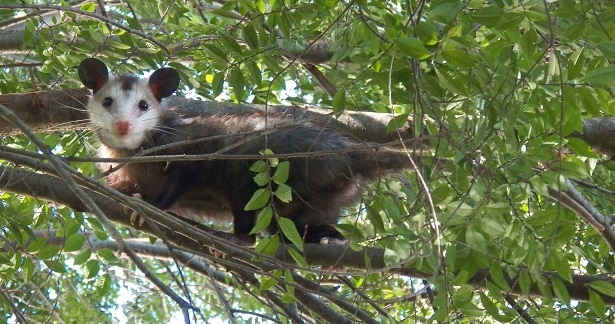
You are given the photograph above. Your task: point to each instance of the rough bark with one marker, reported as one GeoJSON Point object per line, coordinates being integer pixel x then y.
{"type": "Point", "coordinates": [599, 134]}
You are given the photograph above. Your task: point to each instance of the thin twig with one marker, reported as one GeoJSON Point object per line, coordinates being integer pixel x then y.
{"type": "Point", "coordinates": [91, 15]}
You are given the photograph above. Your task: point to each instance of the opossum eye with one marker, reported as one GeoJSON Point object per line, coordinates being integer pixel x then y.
{"type": "Point", "coordinates": [107, 102]}
{"type": "Point", "coordinates": [143, 106]}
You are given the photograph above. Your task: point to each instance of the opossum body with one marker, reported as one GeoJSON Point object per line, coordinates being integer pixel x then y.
{"type": "Point", "coordinates": [127, 116]}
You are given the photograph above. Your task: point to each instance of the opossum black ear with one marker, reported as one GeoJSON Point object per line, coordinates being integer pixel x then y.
{"type": "Point", "coordinates": [93, 73]}
{"type": "Point", "coordinates": [163, 82]}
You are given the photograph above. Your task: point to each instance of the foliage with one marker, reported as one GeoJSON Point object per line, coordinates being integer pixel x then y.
{"type": "Point", "coordinates": [497, 86]}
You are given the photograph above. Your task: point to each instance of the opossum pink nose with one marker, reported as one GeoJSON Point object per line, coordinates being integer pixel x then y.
{"type": "Point", "coordinates": [122, 126]}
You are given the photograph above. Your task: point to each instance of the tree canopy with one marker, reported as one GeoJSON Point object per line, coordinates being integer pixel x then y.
{"type": "Point", "coordinates": [504, 214]}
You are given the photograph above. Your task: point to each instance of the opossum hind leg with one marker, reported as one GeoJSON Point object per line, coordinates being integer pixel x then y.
{"type": "Point", "coordinates": [323, 234]}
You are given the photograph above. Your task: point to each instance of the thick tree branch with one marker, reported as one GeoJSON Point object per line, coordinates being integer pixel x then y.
{"type": "Point", "coordinates": [576, 202]}
{"type": "Point", "coordinates": [54, 110]}
{"type": "Point", "coordinates": [599, 133]}
{"type": "Point", "coordinates": [194, 240]}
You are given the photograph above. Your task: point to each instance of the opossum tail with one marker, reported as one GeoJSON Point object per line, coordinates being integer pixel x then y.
{"type": "Point", "coordinates": [380, 162]}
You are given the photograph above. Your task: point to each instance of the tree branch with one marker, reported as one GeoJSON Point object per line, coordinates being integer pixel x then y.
{"type": "Point", "coordinates": [52, 110]}
{"type": "Point", "coordinates": [576, 202]}
{"type": "Point", "coordinates": [91, 15]}
{"type": "Point", "coordinates": [194, 240]}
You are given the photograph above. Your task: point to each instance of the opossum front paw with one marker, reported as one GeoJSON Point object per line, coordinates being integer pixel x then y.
{"type": "Point", "coordinates": [134, 215]}
{"type": "Point", "coordinates": [217, 254]}
{"type": "Point", "coordinates": [332, 240]}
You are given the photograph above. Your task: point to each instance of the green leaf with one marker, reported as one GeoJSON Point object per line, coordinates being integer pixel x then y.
{"type": "Point", "coordinates": [581, 148]}
{"type": "Point", "coordinates": [55, 266]}
{"type": "Point", "coordinates": [528, 42]}
{"type": "Point", "coordinates": [266, 283]}
{"type": "Point", "coordinates": [104, 284]}
{"type": "Point", "coordinates": [489, 305]}
{"type": "Point", "coordinates": [28, 269]}
{"type": "Point", "coordinates": [452, 83]}
{"type": "Point", "coordinates": [282, 171]}
{"type": "Point", "coordinates": [598, 305]}
{"type": "Point", "coordinates": [119, 46]}
{"type": "Point", "coordinates": [259, 199]}
{"type": "Point", "coordinates": [289, 230]}
{"type": "Point", "coordinates": [397, 251]}
{"type": "Point", "coordinates": [289, 281]}
{"type": "Point", "coordinates": [497, 276]}
{"type": "Point", "coordinates": [284, 193]}
{"type": "Point", "coordinates": [476, 240]}
{"type": "Point", "coordinates": [107, 255]}
{"type": "Point", "coordinates": [263, 219]}
{"type": "Point", "coordinates": [36, 244]}
{"type": "Point", "coordinates": [260, 6]}
{"type": "Point", "coordinates": [439, 315]}
{"type": "Point", "coordinates": [603, 287]}
{"type": "Point", "coordinates": [392, 211]}
{"type": "Point", "coordinates": [268, 245]}
{"type": "Point", "coordinates": [576, 63]}
{"type": "Point", "coordinates": [589, 100]}
{"type": "Point", "coordinates": [217, 84]}
{"type": "Point", "coordinates": [525, 282]}
{"type": "Point", "coordinates": [373, 214]}
{"type": "Point", "coordinates": [560, 290]}
{"type": "Point", "coordinates": [250, 36]}
{"type": "Point", "coordinates": [101, 234]}
{"type": "Point", "coordinates": [237, 81]}
{"type": "Point", "coordinates": [490, 225]}
{"type": "Point", "coordinates": [397, 122]}
{"type": "Point", "coordinates": [461, 277]}
{"type": "Point", "coordinates": [82, 257]}
{"type": "Point", "coordinates": [457, 57]}
{"type": "Point", "coordinates": [339, 101]}
{"type": "Point", "coordinates": [510, 20]}
{"type": "Point", "coordinates": [471, 310]}
{"type": "Point", "coordinates": [285, 24]}
{"type": "Point", "coordinates": [462, 295]}
{"type": "Point", "coordinates": [608, 49]}
{"type": "Point", "coordinates": [92, 267]}
{"type": "Point", "coordinates": [88, 7]}
{"type": "Point", "coordinates": [256, 75]}
{"type": "Point", "coordinates": [102, 27]}
{"type": "Point", "coordinates": [261, 179]}
{"type": "Point", "coordinates": [231, 43]}
{"type": "Point", "coordinates": [573, 167]}
{"type": "Point", "coordinates": [273, 161]}
{"type": "Point", "coordinates": [298, 257]}
{"type": "Point", "coordinates": [152, 239]}
{"type": "Point", "coordinates": [74, 242]}
{"type": "Point", "coordinates": [217, 51]}
{"type": "Point", "coordinates": [48, 252]}
{"type": "Point", "coordinates": [413, 47]}
{"type": "Point", "coordinates": [427, 33]}
{"type": "Point", "coordinates": [445, 11]}
{"type": "Point", "coordinates": [488, 16]}
{"type": "Point", "coordinates": [288, 298]}
{"type": "Point", "coordinates": [605, 74]}
{"type": "Point", "coordinates": [260, 166]}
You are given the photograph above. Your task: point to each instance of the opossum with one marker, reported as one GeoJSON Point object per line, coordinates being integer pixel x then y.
{"type": "Point", "coordinates": [127, 116]}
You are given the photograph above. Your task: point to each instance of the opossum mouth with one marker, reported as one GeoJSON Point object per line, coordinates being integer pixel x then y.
{"type": "Point", "coordinates": [122, 141]}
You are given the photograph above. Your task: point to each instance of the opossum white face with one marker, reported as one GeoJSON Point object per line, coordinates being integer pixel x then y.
{"type": "Point", "coordinates": [124, 108]}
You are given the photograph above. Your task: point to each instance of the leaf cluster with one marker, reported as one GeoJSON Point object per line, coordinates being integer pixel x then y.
{"type": "Point", "coordinates": [498, 90]}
